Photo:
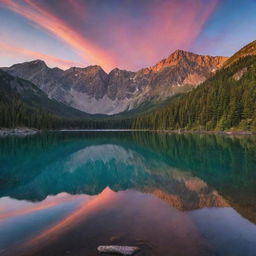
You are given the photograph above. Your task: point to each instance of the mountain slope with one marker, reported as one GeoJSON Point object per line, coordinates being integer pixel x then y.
{"type": "Point", "coordinates": [93, 91]}
{"type": "Point", "coordinates": [23, 103]}
{"type": "Point", "coordinates": [249, 49]}
{"type": "Point", "coordinates": [224, 101]}
{"type": "Point", "coordinates": [11, 86]}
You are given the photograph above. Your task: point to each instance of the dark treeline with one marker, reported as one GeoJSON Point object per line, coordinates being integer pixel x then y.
{"type": "Point", "coordinates": [15, 113]}
{"type": "Point", "coordinates": [225, 101]}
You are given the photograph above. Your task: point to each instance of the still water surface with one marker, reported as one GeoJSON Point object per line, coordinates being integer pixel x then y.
{"type": "Point", "coordinates": [66, 193]}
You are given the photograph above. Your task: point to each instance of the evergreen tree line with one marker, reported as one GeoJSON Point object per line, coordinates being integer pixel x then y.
{"type": "Point", "coordinates": [225, 101]}
{"type": "Point", "coordinates": [17, 113]}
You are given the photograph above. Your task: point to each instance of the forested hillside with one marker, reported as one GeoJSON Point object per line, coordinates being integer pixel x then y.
{"type": "Point", "coordinates": [225, 101]}
{"type": "Point", "coordinates": [249, 49]}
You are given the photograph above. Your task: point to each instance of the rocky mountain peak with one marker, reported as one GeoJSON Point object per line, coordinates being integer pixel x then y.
{"type": "Point", "coordinates": [94, 68]}
{"type": "Point", "coordinates": [117, 71]}
{"type": "Point", "coordinates": [38, 62]}
{"type": "Point", "coordinates": [114, 71]}
{"type": "Point", "coordinates": [179, 53]}
{"type": "Point", "coordinates": [181, 57]}
{"type": "Point", "coordinates": [82, 78]}
{"type": "Point", "coordinates": [33, 65]}
{"type": "Point", "coordinates": [170, 61]}
{"type": "Point", "coordinates": [89, 69]}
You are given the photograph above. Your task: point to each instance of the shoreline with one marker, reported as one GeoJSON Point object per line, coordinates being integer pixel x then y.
{"type": "Point", "coordinates": [181, 131]}
{"type": "Point", "coordinates": [25, 131]}
{"type": "Point", "coordinates": [230, 133]}
{"type": "Point", "coordinates": [19, 131]}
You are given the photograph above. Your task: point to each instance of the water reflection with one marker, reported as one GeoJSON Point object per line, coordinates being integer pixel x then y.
{"type": "Point", "coordinates": [90, 168]}
{"type": "Point", "coordinates": [66, 193]}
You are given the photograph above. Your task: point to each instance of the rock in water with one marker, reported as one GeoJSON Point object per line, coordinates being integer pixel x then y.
{"type": "Point", "coordinates": [123, 250]}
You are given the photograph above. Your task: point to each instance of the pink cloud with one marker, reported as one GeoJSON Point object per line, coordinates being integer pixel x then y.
{"type": "Point", "coordinates": [35, 12]}
{"type": "Point", "coordinates": [119, 38]}
{"type": "Point", "coordinates": [173, 25]}
{"type": "Point", "coordinates": [52, 60]}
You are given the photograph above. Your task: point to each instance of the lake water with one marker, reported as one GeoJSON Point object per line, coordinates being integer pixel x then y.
{"type": "Point", "coordinates": [66, 193]}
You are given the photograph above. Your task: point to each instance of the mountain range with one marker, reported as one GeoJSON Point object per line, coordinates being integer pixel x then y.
{"type": "Point", "coordinates": [93, 91]}
{"type": "Point", "coordinates": [185, 90]}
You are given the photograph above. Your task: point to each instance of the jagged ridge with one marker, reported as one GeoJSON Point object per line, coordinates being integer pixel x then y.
{"type": "Point", "coordinates": [92, 90]}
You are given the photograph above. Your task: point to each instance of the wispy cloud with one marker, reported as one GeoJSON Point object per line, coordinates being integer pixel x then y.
{"type": "Point", "coordinates": [170, 25]}
{"type": "Point", "coordinates": [43, 17]}
{"type": "Point", "coordinates": [6, 48]}
{"type": "Point", "coordinates": [130, 34]}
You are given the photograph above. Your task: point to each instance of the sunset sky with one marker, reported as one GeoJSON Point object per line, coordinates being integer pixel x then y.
{"type": "Point", "coordinates": [129, 34]}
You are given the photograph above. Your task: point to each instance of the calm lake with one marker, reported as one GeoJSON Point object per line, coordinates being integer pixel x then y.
{"type": "Point", "coordinates": [66, 193]}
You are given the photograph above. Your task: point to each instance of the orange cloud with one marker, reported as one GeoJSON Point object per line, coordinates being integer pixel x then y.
{"type": "Point", "coordinates": [47, 20]}
{"type": "Point", "coordinates": [52, 60]}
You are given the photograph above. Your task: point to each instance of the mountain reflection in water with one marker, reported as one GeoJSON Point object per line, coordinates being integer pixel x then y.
{"type": "Point", "coordinates": [67, 193]}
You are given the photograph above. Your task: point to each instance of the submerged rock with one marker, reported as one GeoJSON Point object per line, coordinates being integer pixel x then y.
{"type": "Point", "coordinates": [123, 250]}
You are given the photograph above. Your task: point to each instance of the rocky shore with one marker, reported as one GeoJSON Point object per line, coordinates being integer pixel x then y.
{"type": "Point", "coordinates": [183, 131]}
{"type": "Point", "coordinates": [21, 131]}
